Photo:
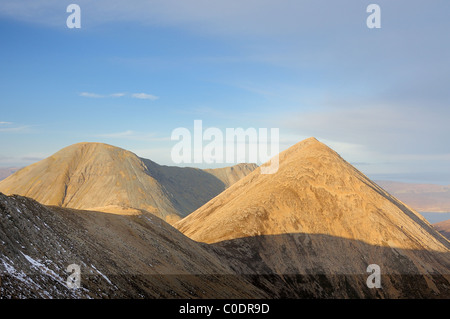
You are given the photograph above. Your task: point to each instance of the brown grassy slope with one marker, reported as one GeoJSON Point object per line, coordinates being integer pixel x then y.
{"type": "Point", "coordinates": [231, 174]}
{"type": "Point", "coordinates": [314, 191]}
{"type": "Point", "coordinates": [101, 177]}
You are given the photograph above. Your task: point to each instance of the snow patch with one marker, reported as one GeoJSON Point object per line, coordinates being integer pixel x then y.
{"type": "Point", "coordinates": [17, 274]}
{"type": "Point", "coordinates": [106, 278]}
{"type": "Point", "coordinates": [43, 268]}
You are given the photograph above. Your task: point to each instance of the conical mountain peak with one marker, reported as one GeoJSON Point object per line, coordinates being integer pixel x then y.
{"type": "Point", "coordinates": [310, 147]}
{"type": "Point", "coordinates": [314, 191]}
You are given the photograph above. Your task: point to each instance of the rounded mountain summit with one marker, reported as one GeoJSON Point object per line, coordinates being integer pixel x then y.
{"type": "Point", "coordinates": [101, 177]}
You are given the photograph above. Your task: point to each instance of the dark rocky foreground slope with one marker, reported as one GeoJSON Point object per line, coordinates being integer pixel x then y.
{"type": "Point", "coordinates": [137, 256]}
{"type": "Point", "coordinates": [141, 256]}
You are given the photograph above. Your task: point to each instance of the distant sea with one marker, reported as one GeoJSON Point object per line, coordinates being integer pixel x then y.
{"type": "Point", "coordinates": [435, 217]}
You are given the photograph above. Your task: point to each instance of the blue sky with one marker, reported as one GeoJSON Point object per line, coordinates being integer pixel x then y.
{"type": "Point", "coordinates": [136, 70]}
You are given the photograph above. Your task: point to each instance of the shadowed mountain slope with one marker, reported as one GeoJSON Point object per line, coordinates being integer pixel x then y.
{"type": "Point", "coordinates": [299, 265]}
{"type": "Point", "coordinates": [135, 256]}
{"type": "Point", "coordinates": [141, 256]}
{"type": "Point", "coordinates": [310, 230]}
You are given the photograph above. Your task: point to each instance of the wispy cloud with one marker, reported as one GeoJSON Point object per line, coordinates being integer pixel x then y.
{"type": "Point", "coordinates": [117, 94]}
{"type": "Point", "coordinates": [144, 96]}
{"type": "Point", "coordinates": [9, 127]}
{"type": "Point", "coordinates": [99, 96]}
{"type": "Point", "coordinates": [387, 127]}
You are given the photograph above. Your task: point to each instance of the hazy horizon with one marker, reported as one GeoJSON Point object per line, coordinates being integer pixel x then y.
{"type": "Point", "coordinates": [417, 178]}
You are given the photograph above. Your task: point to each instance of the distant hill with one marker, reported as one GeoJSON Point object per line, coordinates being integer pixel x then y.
{"type": "Point", "coordinates": [443, 228]}
{"type": "Point", "coordinates": [421, 197]}
{"type": "Point", "coordinates": [7, 171]}
{"type": "Point", "coordinates": [101, 177]}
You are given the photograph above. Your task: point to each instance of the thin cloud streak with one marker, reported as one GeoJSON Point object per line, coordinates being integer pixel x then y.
{"type": "Point", "coordinates": [100, 96]}
{"type": "Point", "coordinates": [117, 94]}
{"type": "Point", "coordinates": [91, 95]}
{"type": "Point", "coordinates": [16, 129]}
{"type": "Point", "coordinates": [144, 96]}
